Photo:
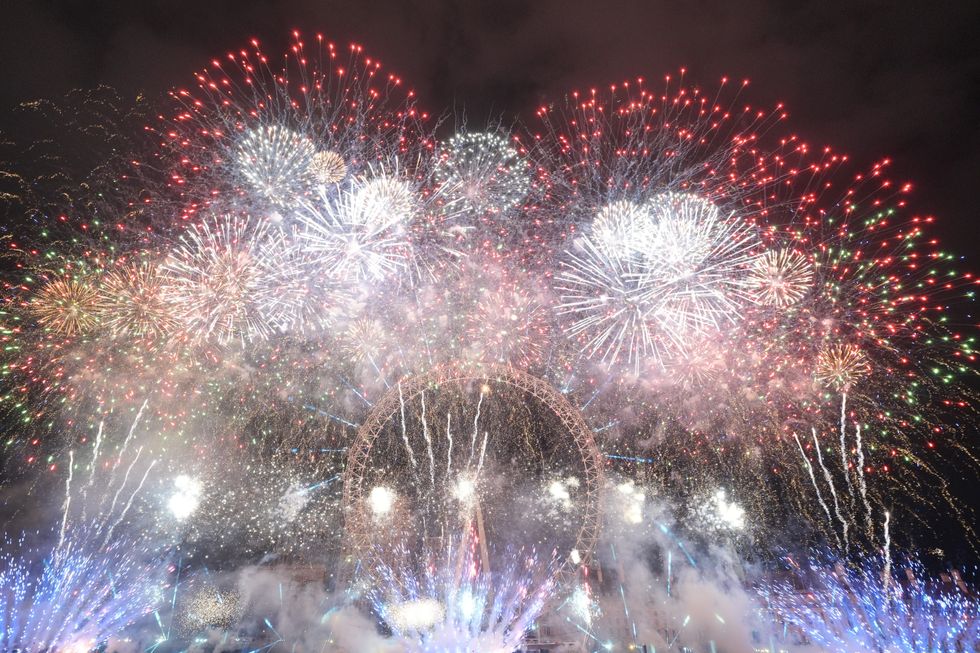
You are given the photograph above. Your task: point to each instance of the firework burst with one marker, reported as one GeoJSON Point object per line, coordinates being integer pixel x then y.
{"type": "Point", "coordinates": [482, 173]}
{"type": "Point", "coordinates": [275, 161]}
{"type": "Point", "coordinates": [231, 278]}
{"type": "Point", "coordinates": [840, 366]}
{"type": "Point", "coordinates": [70, 306]}
{"type": "Point", "coordinates": [363, 234]}
{"type": "Point", "coordinates": [448, 611]}
{"type": "Point", "coordinates": [679, 278]}
{"type": "Point", "coordinates": [328, 167]}
{"type": "Point", "coordinates": [780, 277]}
{"type": "Point", "coordinates": [134, 302]}
{"type": "Point", "coordinates": [866, 609]}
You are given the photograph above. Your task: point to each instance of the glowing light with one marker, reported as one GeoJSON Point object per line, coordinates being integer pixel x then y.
{"type": "Point", "coordinates": [722, 513]}
{"type": "Point", "coordinates": [361, 234]}
{"type": "Point", "coordinates": [864, 609]}
{"type": "Point", "coordinates": [67, 306]}
{"type": "Point", "coordinates": [419, 614]}
{"type": "Point", "coordinates": [465, 490]}
{"type": "Point", "coordinates": [683, 278]}
{"type": "Point", "coordinates": [381, 500]}
{"type": "Point", "coordinates": [186, 498]}
{"type": "Point", "coordinates": [622, 228]}
{"type": "Point", "coordinates": [134, 302]}
{"type": "Point", "coordinates": [232, 278]}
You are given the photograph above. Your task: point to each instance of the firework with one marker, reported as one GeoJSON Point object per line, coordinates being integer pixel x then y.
{"type": "Point", "coordinates": [706, 302]}
{"type": "Point", "coordinates": [841, 366]}
{"type": "Point", "coordinates": [94, 577]}
{"type": "Point", "coordinates": [328, 167]}
{"type": "Point", "coordinates": [268, 137]}
{"type": "Point", "coordinates": [68, 307]}
{"type": "Point", "coordinates": [186, 497]}
{"type": "Point", "coordinates": [451, 607]}
{"type": "Point", "coordinates": [482, 173]}
{"type": "Point", "coordinates": [680, 278]}
{"type": "Point", "coordinates": [76, 597]}
{"type": "Point", "coordinates": [210, 607]}
{"type": "Point", "coordinates": [232, 278]}
{"type": "Point", "coordinates": [362, 235]}
{"type": "Point", "coordinates": [780, 277]}
{"type": "Point", "coordinates": [508, 325]}
{"type": "Point", "coordinates": [721, 513]}
{"type": "Point", "coordinates": [621, 229]}
{"type": "Point", "coordinates": [866, 609]}
{"type": "Point", "coordinates": [364, 339]}
{"type": "Point", "coordinates": [275, 161]}
{"type": "Point", "coordinates": [134, 304]}
{"type": "Point", "coordinates": [431, 460]}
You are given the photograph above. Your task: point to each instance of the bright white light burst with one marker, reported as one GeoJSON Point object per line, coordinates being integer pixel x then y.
{"type": "Point", "coordinates": [232, 278]}
{"type": "Point", "coordinates": [362, 233]}
{"type": "Point", "coordinates": [645, 283]}
{"type": "Point", "coordinates": [275, 161]}
{"type": "Point", "coordinates": [186, 497]}
{"type": "Point", "coordinates": [483, 173]}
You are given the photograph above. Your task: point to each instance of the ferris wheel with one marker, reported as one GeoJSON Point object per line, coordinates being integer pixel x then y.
{"type": "Point", "coordinates": [488, 457]}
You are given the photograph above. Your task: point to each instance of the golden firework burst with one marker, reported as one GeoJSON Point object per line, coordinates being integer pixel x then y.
{"type": "Point", "coordinates": [69, 306]}
{"type": "Point", "coordinates": [134, 302]}
{"type": "Point", "coordinates": [328, 167]}
{"type": "Point", "coordinates": [841, 365]}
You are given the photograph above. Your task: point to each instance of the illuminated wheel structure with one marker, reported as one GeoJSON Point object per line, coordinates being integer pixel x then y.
{"type": "Point", "coordinates": [488, 453]}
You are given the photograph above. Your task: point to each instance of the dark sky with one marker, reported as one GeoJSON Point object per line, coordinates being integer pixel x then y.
{"type": "Point", "coordinates": [871, 78]}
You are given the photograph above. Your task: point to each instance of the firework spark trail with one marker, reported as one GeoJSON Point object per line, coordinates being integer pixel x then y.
{"type": "Point", "coordinates": [887, 574]}
{"type": "Point", "coordinates": [92, 468]}
{"type": "Point", "coordinates": [428, 444]}
{"type": "Point", "coordinates": [440, 609]}
{"type": "Point", "coordinates": [408, 445]}
{"type": "Point", "coordinates": [843, 444]}
{"type": "Point", "coordinates": [833, 489]}
{"type": "Point", "coordinates": [616, 333]}
{"type": "Point", "coordinates": [483, 453]}
{"type": "Point", "coordinates": [449, 449]}
{"type": "Point", "coordinates": [64, 511]}
{"type": "Point", "coordinates": [859, 608]}
{"type": "Point", "coordinates": [476, 422]}
{"type": "Point", "coordinates": [813, 479]}
{"type": "Point", "coordinates": [75, 599]}
{"type": "Point", "coordinates": [125, 446]}
{"type": "Point", "coordinates": [122, 486]}
{"type": "Point", "coordinates": [862, 485]}
{"type": "Point", "coordinates": [129, 503]}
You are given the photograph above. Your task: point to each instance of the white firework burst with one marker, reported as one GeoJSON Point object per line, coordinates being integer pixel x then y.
{"type": "Point", "coordinates": [780, 277]}
{"type": "Point", "coordinates": [276, 161]}
{"type": "Point", "coordinates": [232, 278]}
{"type": "Point", "coordinates": [362, 233]}
{"type": "Point", "coordinates": [621, 228]}
{"type": "Point", "coordinates": [601, 293]}
{"type": "Point", "coordinates": [682, 277]}
{"type": "Point", "coordinates": [694, 266]}
{"type": "Point", "coordinates": [483, 173]}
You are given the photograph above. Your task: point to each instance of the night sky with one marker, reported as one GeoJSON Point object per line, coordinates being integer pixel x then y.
{"type": "Point", "coordinates": [870, 78]}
